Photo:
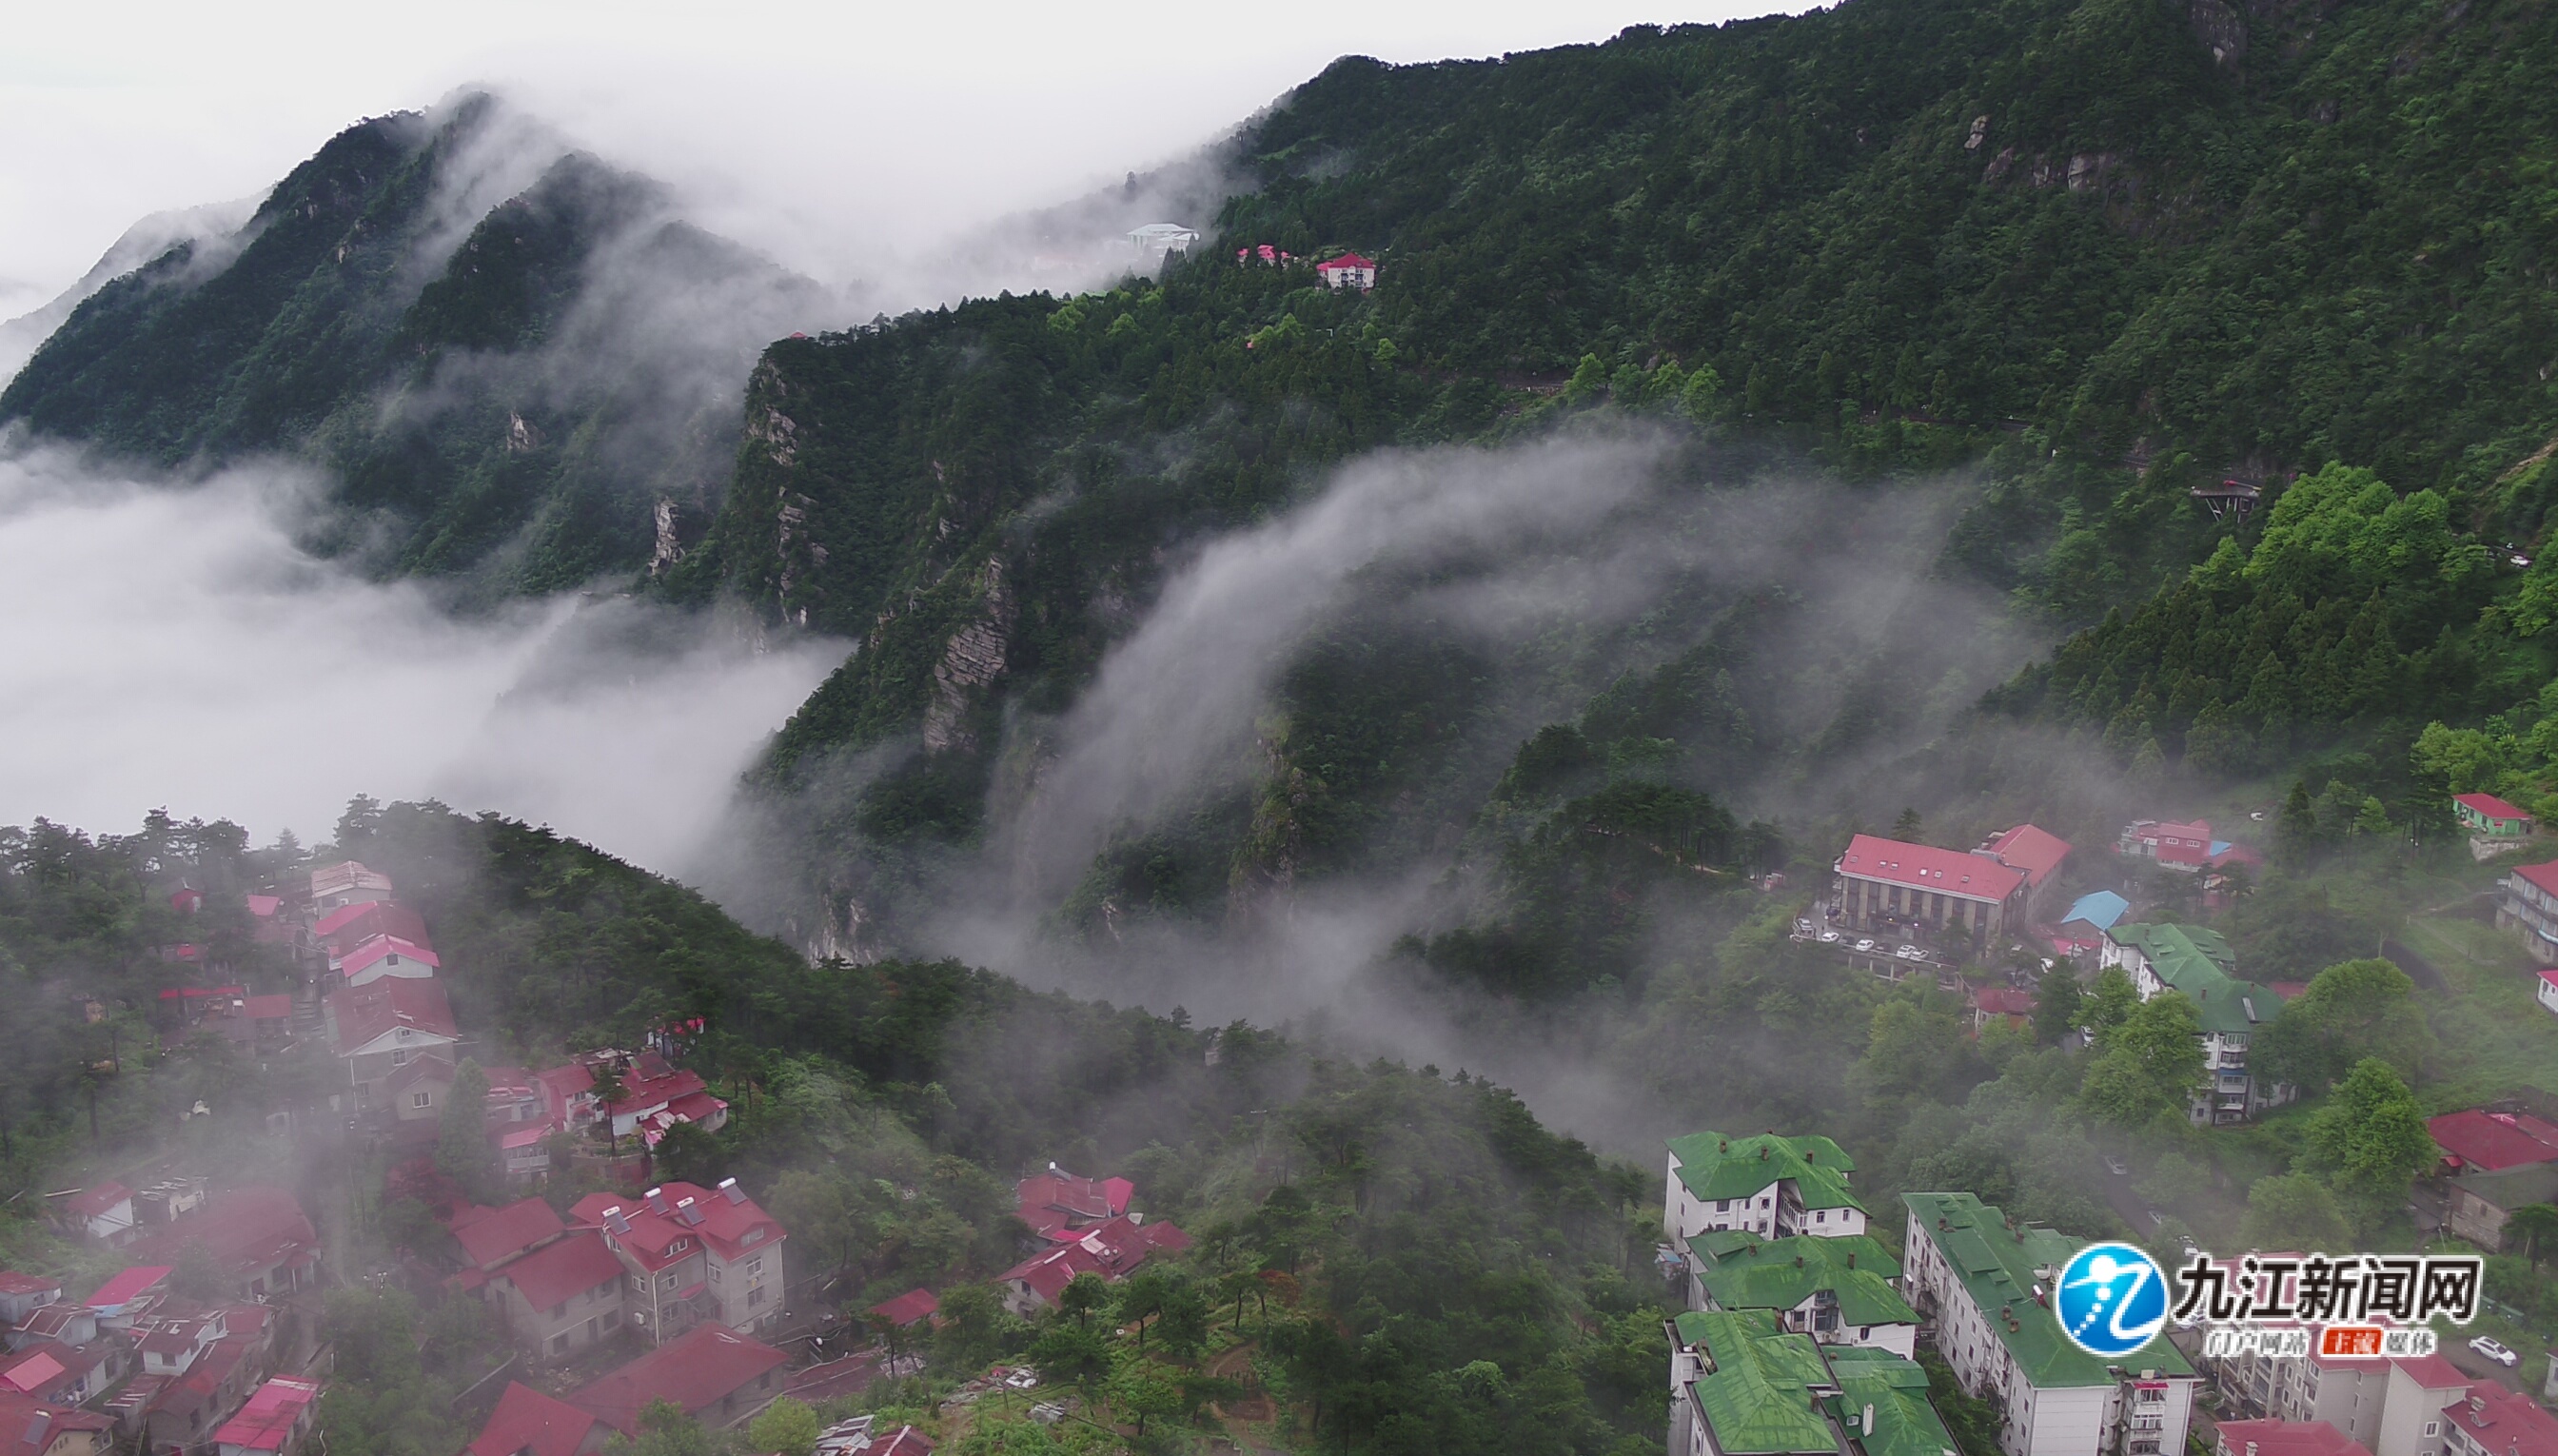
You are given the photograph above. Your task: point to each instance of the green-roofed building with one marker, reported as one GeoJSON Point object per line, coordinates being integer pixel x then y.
{"type": "Point", "coordinates": [1985, 1283]}
{"type": "Point", "coordinates": [1773, 1186]}
{"type": "Point", "coordinates": [1839, 1291]}
{"type": "Point", "coordinates": [1741, 1385]}
{"type": "Point", "coordinates": [2197, 964]}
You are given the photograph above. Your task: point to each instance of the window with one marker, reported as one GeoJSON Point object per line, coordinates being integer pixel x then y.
{"type": "Point", "coordinates": [666, 1280]}
{"type": "Point", "coordinates": [2149, 1395]}
{"type": "Point", "coordinates": [754, 1296]}
{"type": "Point", "coordinates": [559, 1309]}
{"type": "Point", "coordinates": [639, 1283]}
{"type": "Point", "coordinates": [1721, 1204]}
{"type": "Point", "coordinates": [421, 1099]}
{"type": "Point", "coordinates": [679, 1245]}
{"type": "Point", "coordinates": [2433, 1428]}
{"type": "Point", "coordinates": [715, 1273]}
{"type": "Point", "coordinates": [559, 1343]}
{"type": "Point", "coordinates": [754, 1268]}
{"type": "Point", "coordinates": [1821, 1216]}
{"type": "Point", "coordinates": [399, 1058]}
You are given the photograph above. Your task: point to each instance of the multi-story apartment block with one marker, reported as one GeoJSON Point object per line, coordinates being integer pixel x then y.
{"type": "Point", "coordinates": [1945, 899]}
{"type": "Point", "coordinates": [2197, 965]}
{"type": "Point", "coordinates": [692, 1256]}
{"type": "Point", "coordinates": [1839, 1291]}
{"type": "Point", "coordinates": [2391, 1408]}
{"type": "Point", "coordinates": [1986, 1279]}
{"type": "Point", "coordinates": [1771, 1186]}
{"type": "Point", "coordinates": [2527, 901]}
{"type": "Point", "coordinates": [1742, 1386]}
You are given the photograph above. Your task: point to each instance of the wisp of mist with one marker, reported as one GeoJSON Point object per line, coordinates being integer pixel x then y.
{"type": "Point", "coordinates": [171, 646]}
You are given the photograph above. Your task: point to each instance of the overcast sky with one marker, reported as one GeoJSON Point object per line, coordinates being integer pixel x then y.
{"type": "Point", "coordinates": [829, 134]}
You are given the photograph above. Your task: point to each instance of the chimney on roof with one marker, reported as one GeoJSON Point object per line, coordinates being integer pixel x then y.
{"type": "Point", "coordinates": [729, 1189]}
{"type": "Point", "coordinates": [1851, 1258]}
{"type": "Point", "coordinates": [1798, 1261]}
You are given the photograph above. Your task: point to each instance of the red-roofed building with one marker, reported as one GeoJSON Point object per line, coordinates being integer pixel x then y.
{"type": "Point", "coordinates": [379, 1028]}
{"type": "Point", "coordinates": [102, 1213]}
{"type": "Point", "coordinates": [2037, 854]}
{"type": "Point", "coordinates": [693, 1254]}
{"type": "Point", "coordinates": [118, 1293]}
{"type": "Point", "coordinates": [906, 1440]}
{"type": "Point", "coordinates": [2286, 1438]}
{"type": "Point", "coordinates": [267, 923]}
{"type": "Point", "coordinates": [1991, 1003]}
{"type": "Point", "coordinates": [342, 930]}
{"type": "Point", "coordinates": [258, 1237]}
{"type": "Point", "coordinates": [913, 1306]}
{"type": "Point", "coordinates": [2544, 986]}
{"type": "Point", "coordinates": [1112, 1249]}
{"type": "Point", "coordinates": [180, 1413]}
{"type": "Point", "coordinates": [2495, 1422]}
{"type": "Point", "coordinates": [30, 1427]}
{"type": "Point", "coordinates": [384, 955]}
{"type": "Point", "coordinates": [348, 883]}
{"type": "Point", "coordinates": [2527, 900]}
{"type": "Point", "coordinates": [718, 1375]}
{"type": "Point", "coordinates": [71, 1324]}
{"type": "Point", "coordinates": [527, 1423]}
{"type": "Point", "coordinates": [2490, 1142]}
{"type": "Point", "coordinates": [1350, 270]}
{"type": "Point", "coordinates": [275, 1420]}
{"type": "Point", "coordinates": [650, 1092]}
{"type": "Point", "coordinates": [2491, 818]}
{"type": "Point", "coordinates": [1938, 897]}
{"type": "Point", "coordinates": [2176, 845]}
{"type": "Point", "coordinates": [2389, 1407]}
{"type": "Point", "coordinates": [64, 1374]}
{"type": "Point", "coordinates": [561, 1297]}
{"type": "Point", "coordinates": [490, 1236]}
{"type": "Point", "coordinates": [1056, 1201]}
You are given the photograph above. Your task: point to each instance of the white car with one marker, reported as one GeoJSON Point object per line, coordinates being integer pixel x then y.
{"type": "Point", "coordinates": [1911, 953]}
{"type": "Point", "coordinates": [2496, 1350]}
{"type": "Point", "coordinates": [1865, 944]}
{"type": "Point", "coordinates": [2116, 1166]}
{"type": "Point", "coordinates": [1829, 937]}
{"type": "Point", "coordinates": [1802, 926]}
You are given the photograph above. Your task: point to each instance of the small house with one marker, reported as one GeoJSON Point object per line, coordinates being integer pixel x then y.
{"type": "Point", "coordinates": [2527, 900]}
{"type": "Point", "coordinates": [1350, 270]}
{"type": "Point", "coordinates": [273, 1422]}
{"type": "Point", "coordinates": [2491, 818]}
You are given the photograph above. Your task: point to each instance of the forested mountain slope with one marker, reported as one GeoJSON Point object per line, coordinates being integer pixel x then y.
{"type": "Point", "coordinates": [2095, 254]}
{"type": "Point", "coordinates": [487, 341]}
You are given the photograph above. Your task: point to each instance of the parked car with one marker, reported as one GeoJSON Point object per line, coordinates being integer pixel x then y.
{"type": "Point", "coordinates": [1829, 937]}
{"type": "Point", "coordinates": [1802, 926]}
{"type": "Point", "coordinates": [1911, 953]}
{"type": "Point", "coordinates": [2496, 1350]}
{"type": "Point", "coordinates": [2116, 1166]}
{"type": "Point", "coordinates": [1865, 944]}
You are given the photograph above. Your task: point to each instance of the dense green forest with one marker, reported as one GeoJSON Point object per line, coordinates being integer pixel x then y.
{"type": "Point", "coordinates": [512, 400]}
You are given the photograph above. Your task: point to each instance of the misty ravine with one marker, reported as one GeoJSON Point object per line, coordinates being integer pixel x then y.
{"type": "Point", "coordinates": [1911, 602]}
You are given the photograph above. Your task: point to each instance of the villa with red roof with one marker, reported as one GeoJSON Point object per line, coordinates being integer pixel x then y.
{"type": "Point", "coordinates": [2175, 844]}
{"type": "Point", "coordinates": [102, 1213]}
{"type": "Point", "coordinates": [379, 1028]}
{"type": "Point", "coordinates": [1056, 1201]}
{"type": "Point", "coordinates": [2035, 853]}
{"type": "Point", "coordinates": [2495, 1422]}
{"type": "Point", "coordinates": [344, 928]}
{"type": "Point", "coordinates": [344, 884]}
{"type": "Point", "coordinates": [657, 1096]}
{"type": "Point", "coordinates": [694, 1256]}
{"type": "Point", "coordinates": [64, 1374]}
{"type": "Point", "coordinates": [2527, 901]}
{"type": "Point", "coordinates": [384, 955]}
{"type": "Point", "coordinates": [1350, 270]}
{"type": "Point", "coordinates": [563, 1296]}
{"type": "Point", "coordinates": [2491, 818]}
{"type": "Point", "coordinates": [1112, 1249]}
{"type": "Point", "coordinates": [30, 1427]}
{"type": "Point", "coordinates": [909, 1308]}
{"type": "Point", "coordinates": [1938, 897]}
{"type": "Point", "coordinates": [2483, 1141]}
{"type": "Point", "coordinates": [527, 1423]}
{"type": "Point", "coordinates": [275, 1420]}
{"type": "Point", "coordinates": [259, 1238]}
{"type": "Point", "coordinates": [718, 1375]}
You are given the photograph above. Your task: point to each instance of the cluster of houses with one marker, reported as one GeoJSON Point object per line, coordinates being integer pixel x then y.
{"type": "Point", "coordinates": [2496, 1159]}
{"type": "Point", "coordinates": [1897, 909]}
{"type": "Point", "coordinates": [1799, 1329]}
{"type": "Point", "coordinates": [138, 1365]}
{"type": "Point", "coordinates": [1347, 270]}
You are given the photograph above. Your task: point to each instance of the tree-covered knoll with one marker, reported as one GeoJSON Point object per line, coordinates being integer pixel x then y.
{"type": "Point", "coordinates": [539, 378]}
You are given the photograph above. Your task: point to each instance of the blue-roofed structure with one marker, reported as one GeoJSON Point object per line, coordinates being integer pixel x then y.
{"type": "Point", "coordinates": [2099, 909]}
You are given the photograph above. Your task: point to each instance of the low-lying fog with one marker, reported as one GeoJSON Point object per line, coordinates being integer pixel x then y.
{"type": "Point", "coordinates": [172, 648]}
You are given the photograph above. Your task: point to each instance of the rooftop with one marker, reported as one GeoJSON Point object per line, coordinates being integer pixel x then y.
{"type": "Point", "coordinates": [1758, 1398]}
{"type": "Point", "coordinates": [1741, 1273]}
{"type": "Point", "coordinates": [694, 1372]}
{"type": "Point", "coordinates": [906, 1308]}
{"type": "Point", "coordinates": [266, 1422]}
{"type": "Point", "coordinates": [2490, 806]}
{"type": "Point", "coordinates": [1996, 1264]}
{"type": "Point", "coordinates": [248, 1230]}
{"type": "Point", "coordinates": [649, 1225]}
{"type": "Point", "coordinates": [386, 947]}
{"type": "Point", "coordinates": [490, 1236]}
{"type": "Point", "coordinates": [2543, 876]}
{"type": "Point", "coordinates": [1905, 1423]}
{"type": "Point", "coordinates": [2506, 1422]}
{"type": "Point", "coordinates": [2287, 1438]}
{"type": "Point", "coordinates": [125, 1287]}
{"type": "Point", "coordinates": [1926, 867]}
{"type": "Point", "coordinates": [1714, 1166]}
{"type": "Point", "coordinates": [2035, 852]}
{"type": "Point", "coordinates": [365, 1013]}
{"type": "Point", "coordinates": [2100, 909]}
{"type": "Point", "coordinates": [2493, 1141]}
{"type": "Point", "coordinates": [2512, 1188]}
{"type": "Point", "coordinates": [2198, 965]}
{"type": "Point", "coordinates": [550, 1275]}
{"type": "Point", "coordinates": [527, 1423]}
